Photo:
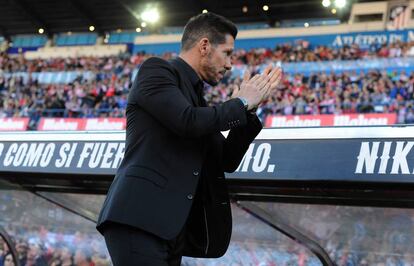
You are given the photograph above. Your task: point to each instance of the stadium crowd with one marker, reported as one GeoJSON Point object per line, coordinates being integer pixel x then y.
{"type": "Point", "coordinates": [46, 235]}
{"type": "Point", "coordinates": [299, 51]}
{"type": "Point", "coordinates": [104, 93]}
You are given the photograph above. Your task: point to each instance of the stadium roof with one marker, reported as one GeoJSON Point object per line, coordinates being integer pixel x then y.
{"type": "Point", "coordinates": [54, 16]}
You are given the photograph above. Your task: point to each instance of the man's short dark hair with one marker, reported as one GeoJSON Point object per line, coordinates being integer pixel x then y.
{"type": "Point", "coordinates": [207, 25]}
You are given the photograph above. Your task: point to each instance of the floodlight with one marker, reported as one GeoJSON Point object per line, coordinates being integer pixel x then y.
{"type": "Point", "coordinates": [150, 15]}
{"type": "Point", "coordinates": [326, 3]}
{"type": "Point", "coordinates": [340, 3]}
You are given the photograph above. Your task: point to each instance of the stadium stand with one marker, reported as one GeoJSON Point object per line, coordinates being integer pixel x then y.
{"type": "Point", "coordinates": [363, 66]}
{"type": "Point", "coordinates": [73, 39]}
{"type": "Point", "coordinates": [121, 37]}
{"type": "Point", "coordinates": [76, 51]}
{"type": "Point", "coordinates": [93, 81]}
{"type": "Point", "coordinates": [21, 41]}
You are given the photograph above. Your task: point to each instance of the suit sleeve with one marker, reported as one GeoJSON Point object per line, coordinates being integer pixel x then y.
{"type": "Point", "coordinates": [156, 90]}
{"type": "Point", "coordinates": [238, 141]}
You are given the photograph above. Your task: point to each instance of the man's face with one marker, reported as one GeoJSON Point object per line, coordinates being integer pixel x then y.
{"type": "Point", "coordinates": [217, 61]}
{"type": "Point", "coordinates": [8, 260]}
{"type": "Point", "coordinates": [79, 257]}
{"type": "Point", "coordinates": [65, 254]}
{"type": "Point", "coordinates": [21, 250]}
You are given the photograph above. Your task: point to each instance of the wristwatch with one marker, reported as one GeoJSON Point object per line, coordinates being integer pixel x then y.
{"type": "Point", "coordinates": [244, 101]}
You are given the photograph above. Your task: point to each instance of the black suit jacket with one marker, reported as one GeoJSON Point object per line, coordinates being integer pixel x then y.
{"type": "Point", "coordinates": [173, 143]}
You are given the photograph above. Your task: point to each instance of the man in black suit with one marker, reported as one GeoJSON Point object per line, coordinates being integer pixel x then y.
{"type": "Point", "coordinates": [169, 197]}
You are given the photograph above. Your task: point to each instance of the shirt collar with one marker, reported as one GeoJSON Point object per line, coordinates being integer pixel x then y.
{"type": "Point", "coordinates": [192, 74]}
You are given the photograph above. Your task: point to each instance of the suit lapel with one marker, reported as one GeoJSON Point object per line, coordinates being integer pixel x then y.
{"type": "Point", "coordinates": [188, 87]}
{"type": "Point", "coordinates": [203, 100]}
{"type": "Point", "coordinates": [185, 84]}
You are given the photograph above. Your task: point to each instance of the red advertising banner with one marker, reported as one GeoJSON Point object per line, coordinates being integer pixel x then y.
{"type": "Point", "coordinates": [60, 124]}
{"type": "Point", "coordinates": [71, 124]}
{"type": "Point", "coordinates": [105, 124]}
{"type": "Point", "coordinates": [330, 120]}
{"type": "Point", "coordinates": [14, 124]}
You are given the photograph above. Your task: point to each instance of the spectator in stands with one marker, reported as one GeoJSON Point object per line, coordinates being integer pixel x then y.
{"type": "Point", "coordinates": [22, 249]}
{"type": "Point", "coordinates": [35, 255]}
{"type": "Point", "coordinates": [99, 92]}
{"type": "Point", "coordinates": [8, 259]}
{"type": "Point", "coordinates": [66, 257]}
{"type": "Point", "coordinates": [81, 259]}
{"type": "Point", "coordinates": [3, 249]}
{"type": "Point", "coordinates": [55, 261]}
{"type": "Point", "coordinates": [56, 105]}
{"type": "Point", "coordinates": [74, 107]}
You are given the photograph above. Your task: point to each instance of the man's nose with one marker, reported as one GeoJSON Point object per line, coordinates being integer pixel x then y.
{"type": "Point", "coordinates": [227, 66]}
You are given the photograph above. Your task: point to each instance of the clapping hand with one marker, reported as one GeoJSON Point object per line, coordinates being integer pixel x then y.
{"type": "Point", "coordinates": [258, 88]}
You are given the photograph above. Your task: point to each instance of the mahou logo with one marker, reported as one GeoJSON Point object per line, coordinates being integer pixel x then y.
{"type": "Point", "coordinates": [296, 121]}
{"type": "Point", "coordinates": [331, 120]}
{"type": "Point", "coordinates": [60, 124]}
{"type": "Point", "coordinates": [105, 124]}
{"type": "Point", "coordinates": [73, 124]}
{"type": "Point", "coordinates": [362, 120]}
{"type": "Point", "coordinates": [13, 124]}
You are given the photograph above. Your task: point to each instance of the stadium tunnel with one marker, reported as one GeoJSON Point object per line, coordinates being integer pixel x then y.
{"type": "Point", "coordinates": [316, 196]}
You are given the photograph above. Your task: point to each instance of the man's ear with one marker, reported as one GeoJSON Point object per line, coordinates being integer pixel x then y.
{"type": "Point", "coordinates": [204, 46]}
